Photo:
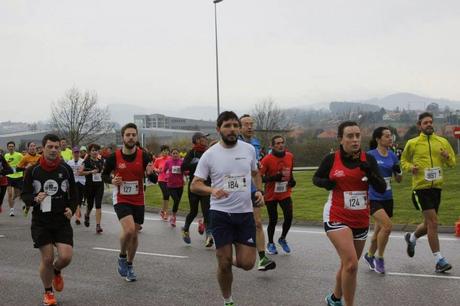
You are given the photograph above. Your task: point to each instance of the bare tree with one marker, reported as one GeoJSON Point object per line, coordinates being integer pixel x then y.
{"type": "Point", "coordinates": [270, 120]}
{"type": "Point", "coordinates": [78, 117]}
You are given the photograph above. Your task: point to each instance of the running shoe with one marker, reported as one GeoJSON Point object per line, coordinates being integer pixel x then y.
{"type": "Point", "coordinates": [229, 304]}
{"type": "Point", "coordinates": [25, 211]}
{"type": "Point", "coordinates": [164, 215]}
{"type": "Point", "coordinates": [98, 229]}
{"type": "Point", "coordinates": [122, 266]}
{"type": "Point", "coordinates": [209, 241]}
{"type": "Point", "coordinates": [442, 266]}
{"type": "Point", "coordinates": [58, 282]}
{"type": "Point", "coordinates": [331, 302]}
{"type": "Point", "coordinates": [201, 227]}
{"type": "Point", "coordinates": [410, 245]}
{"type": "Point", "coordinates": [86, 220]}
{"type": "Point", "coordinates": [186, 236]}
{"type": "Point", "coordinates": [49, 299]}
{"type": "Point", "coordinates": [283, 243]}
{"type": "Point", "coordinates": [369, 260]}
{"type": "Point", "coordinates": [271, 249]}
{"type": "Point", "coordinates": [130, 276]}
{"type": "Point", "coordinates": [12, 212]}
{"type": "Point", "coordinates": [266, 264]}
{"type": "Point", "coordinates": [77, 222]}
{"type": "Point", "coordinates": [379, 265]}
{"type": "Point", "coordinates": [172, 221]}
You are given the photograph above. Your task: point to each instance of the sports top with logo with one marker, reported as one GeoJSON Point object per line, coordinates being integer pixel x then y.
{"type": "Point", "coordinates": [230, 169]}
{"type": "Point", "coordinates": [131, 190]}
{"type": "Point", "coordinates": [348, 202]}
{"type": "Point", "coordinates": [75, 165]}
{"type": "Point", "coordinates": [270, 166]}
{"type": "Point", "coordinates": [385, 164]}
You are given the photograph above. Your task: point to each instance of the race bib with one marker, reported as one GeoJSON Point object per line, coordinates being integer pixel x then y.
{"type": "Point", "coordinates": [388, 181]}
{"type": "Point", "coordinates": [129, 188]}
{"type": "Point", "coordinates": [235, 183]}
{"type": "Point", "coordinates": [45, 205]}
{"type": "Point", "coordinates": [175, 170]}
{"type": "Point", "coordinates": [432, 174]}
{"type": "Point", "coordinates": [355, 200]}
{"type": "Point", "coordinates": [97, 177]}
{"type": "Point", "coordinates": [280, 187]}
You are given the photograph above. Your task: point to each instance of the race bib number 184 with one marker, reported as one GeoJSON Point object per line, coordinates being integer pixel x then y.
{"type": "Point", "coordinates": [235, 183]}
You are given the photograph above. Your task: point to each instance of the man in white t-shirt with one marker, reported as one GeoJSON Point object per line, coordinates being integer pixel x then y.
{"type": "Point", "coordinates": [75, 163]}
{"type": "Point", "coordinates": [231, 164]}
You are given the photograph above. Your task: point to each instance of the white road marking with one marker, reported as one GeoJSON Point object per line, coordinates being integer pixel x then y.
{"type": "Point", "coordinates": [422, 275]}
{"type": "Point", "coordinates": [143, 253]}
{"type": "Point", "coordinates": [2, 236]}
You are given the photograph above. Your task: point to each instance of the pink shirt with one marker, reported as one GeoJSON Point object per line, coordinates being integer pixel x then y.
{"type": "Point", "coordinates": [174, 173]}
{"type": "Point", "coordinates": [160, 164]}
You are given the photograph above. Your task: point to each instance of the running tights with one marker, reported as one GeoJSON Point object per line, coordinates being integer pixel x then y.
{"type": "Point", "coordinates": [272, 208]}
{"type": "Point", "coordinates": [176, 195]}
{"type": "Point", "coordinates": [194, 199]}
{"type": "Point", "coordinates": [94, 194]}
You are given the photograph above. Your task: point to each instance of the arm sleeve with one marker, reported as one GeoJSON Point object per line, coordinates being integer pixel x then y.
{"type": "Point", "coordinates": [186, 163]}
{"type": "Point", "coordinates": [72, 204]}
{"type": "Point", "coordinates": [147, 158]}
{"type": "Point", "coordinates": [406, 158]}
{"type": "Point", "coordinates": [451, 162]}
{"type": "Point", "coordinates": [321, 176]}
{"type": "Point", "coordinates": [109, 166]}
{"type": "Point", "coordinates": [375, 179]}
{"type": "Point", "coordinates": [202, 169]}
{"type": "Point", "coordinates": [28, 192]}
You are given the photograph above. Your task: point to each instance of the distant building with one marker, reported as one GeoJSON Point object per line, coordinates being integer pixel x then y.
{"type": "Point", "coordinates": [174, 123]}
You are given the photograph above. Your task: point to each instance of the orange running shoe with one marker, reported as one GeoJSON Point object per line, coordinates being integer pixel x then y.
{"type": "Point", "coordinates": [201, 227]}
{"type": "Point", "coordinates": [49, 299]}
{"type": "Point", "coordinates": [58, 282]}
{"type": "Point", "coordinates": [163, 215]}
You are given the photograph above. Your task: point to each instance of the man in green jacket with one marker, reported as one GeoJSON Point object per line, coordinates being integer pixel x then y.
{"type": "Point", "coordinates": [425, 157]}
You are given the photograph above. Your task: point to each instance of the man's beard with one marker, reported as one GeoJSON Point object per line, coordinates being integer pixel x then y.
{"type": "Point", "coordinates": [428, 131]}
{"type": "Point", "coordinates": [227, 141]}
{"type": "Point", "coordinates": [129, 145]}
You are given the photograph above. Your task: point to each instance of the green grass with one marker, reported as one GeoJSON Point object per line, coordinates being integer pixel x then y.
{"type": "Point", "coordinates": [309, 200]}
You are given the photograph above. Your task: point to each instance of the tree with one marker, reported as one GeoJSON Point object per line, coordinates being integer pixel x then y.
{"type": "Point", "coordinates": [270, 120]}
{"type": "Point", "coordinates": [78, 117]}
{"type": "Point", "coordinates": [433, 108]}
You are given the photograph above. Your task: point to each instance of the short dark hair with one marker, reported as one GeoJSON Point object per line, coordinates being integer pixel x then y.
{"type": "Point", "coordinates": [94, 146]}
{"type": "Point", "coordinates": [225, 116]}
{"type": "Point", "coordinates": [275, 137]}
{"type": "Point", "coordinates": [423, 116]}
{"type": "Point", "coordinates": [29, 143]}
{"type": "Point", "coordinates": [10, 142]}
{"type": "Point", "coordinates": [50, 137]}
{"type": "Point", "coordinates": [175, 149]}
{"type": "Point", "coordinates": [342, 127]}
{"type": "Point", "coordinates": [128, 126]}
{"type": "Point", "coordinates": [164, 147]}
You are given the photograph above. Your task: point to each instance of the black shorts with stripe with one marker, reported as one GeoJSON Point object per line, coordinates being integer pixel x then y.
{"type": "Point", "coordinates": [425, 199]}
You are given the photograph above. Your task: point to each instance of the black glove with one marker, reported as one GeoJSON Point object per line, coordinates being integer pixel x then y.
{"type": "Point", "coordinates": [397, 169]}
{"type": "Point", "coordinates": [292, 182]}
{"type": "Point", "coordinates": [329, 185]}
{"type": "Point", "coordinates": [364, 166]}
{"type": "Point", "coordinates": [275, 178]}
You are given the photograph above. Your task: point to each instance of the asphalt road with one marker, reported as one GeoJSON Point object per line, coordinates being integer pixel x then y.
{"type": "Point", "coordinates": [172, 273]}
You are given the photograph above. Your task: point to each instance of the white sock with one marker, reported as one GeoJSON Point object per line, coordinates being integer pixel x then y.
{"type": "Point", "coordinates": [229, 300]}
{"type": "Point", "coordinates": [412, 238]}
{"type": "Point", "coordinates": [437, 256]}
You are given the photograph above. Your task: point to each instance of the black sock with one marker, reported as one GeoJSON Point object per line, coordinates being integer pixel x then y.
{"type": "Point", "coordinates": [56, 272]}
{"type": "Point", "coordinates": [122, 255]}
{"type": "Point", "coordinates": [50, 289]}
{"type": "Point", "coordinates": [261, 254]}
{"type": "Point", "coordinates": [334, 298]}
{"type": "Point", "coordinates": [129, 263]}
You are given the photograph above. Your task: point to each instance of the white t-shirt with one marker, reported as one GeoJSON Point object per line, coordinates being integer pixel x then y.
{"type": "Point", "coordinates": [230, 169]}
{"type": "Point", "coordinates": [75, 165]}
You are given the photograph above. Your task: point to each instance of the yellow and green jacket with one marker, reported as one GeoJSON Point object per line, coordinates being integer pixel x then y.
{"type": "Point", "coordinates": [425, 152]}
{"type": "Point", "coordinates": [66, 154]}
{"type": "Point", "coordinates": [13, 160]}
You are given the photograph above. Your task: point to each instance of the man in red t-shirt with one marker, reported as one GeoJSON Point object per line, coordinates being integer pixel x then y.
{"type": "Point", "coordinates": [276, 169]}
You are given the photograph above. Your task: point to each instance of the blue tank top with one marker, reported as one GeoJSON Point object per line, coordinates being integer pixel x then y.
{"type": "Point", "coordinates": [385, 164]}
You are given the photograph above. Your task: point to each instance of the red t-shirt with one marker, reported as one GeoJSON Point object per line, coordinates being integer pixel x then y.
{"type": "Point", "coordinates": [160, 164]}
{"type": "Point", "coordinates": [270, 166]}
{"type": "Point", "coordinates": [174, 174]}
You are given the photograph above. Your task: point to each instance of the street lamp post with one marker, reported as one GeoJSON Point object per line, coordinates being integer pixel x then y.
{"type": "Point", "coordinates": [217, 56]}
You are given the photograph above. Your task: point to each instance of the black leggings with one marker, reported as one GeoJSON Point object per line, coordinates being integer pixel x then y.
{"type": "Point", "coordinates": [2, 194]}
{"type": "Point", "coordinates": [272, 208]}
{"type": "Point", "coordinates": [176, 195]}
{"type": "Point", "coordinates": [80, 193]}
{"type": "Point", "coordinates": [94, 194]}
{"type": "Point", "coordinates": [194, 199]}
{"type": "Point", "coordinates": [164, 190]}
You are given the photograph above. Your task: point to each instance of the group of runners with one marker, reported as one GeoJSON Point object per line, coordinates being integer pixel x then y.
{"type": "Point", "coordinates": [232, 183]}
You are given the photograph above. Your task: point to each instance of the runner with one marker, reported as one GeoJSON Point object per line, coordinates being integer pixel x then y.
{"type": "Point", "coordinates": [247, 135]}
{"type": "Point", "coordinates": [15, 179]}
{"type": "Point", "coordinates": [347, 174]}
{"type": "Point", "coordinates": [382, 204]}
{"type": "Point", "coordinates": [158, 166]}
{"type": "Point", "coordinates": [129, 165]}
{"type": "Point", "coordinates": [231, 164]}
{"type": "Point", "coordinates": [66, 153]}
{"type": "Point", "coordinates": [28, 160]}
{"type": "Point", "coordinates": [200, 144]}
{"type": "Point", "coordinates": [75, 163]}
{"type": "Point", "coordinates": [276, 169]}
{"type": "Point", "coordinates": [425, 156]}
{"type": "Point", "coordinates": [49, 188]}
{"type": "Point", "coordinates": [175, 184]}
{"type": "Point", "coordinates": [83, 152]}
{"type": "Point", "coordinates": [4, 170]}
{"type": "Point", "coordinates": [94, 187]}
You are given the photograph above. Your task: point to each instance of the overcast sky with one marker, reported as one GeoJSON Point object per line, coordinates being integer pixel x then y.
{"type": "Point", "coordinates": [161, 54]}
